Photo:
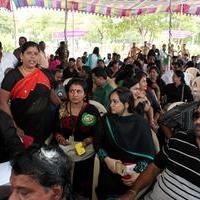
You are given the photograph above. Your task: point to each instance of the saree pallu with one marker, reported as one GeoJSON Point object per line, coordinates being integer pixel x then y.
{"type": "Point", "coordinates": [30, 105]}
{"type": "Point", "coordinates": [127, 139]}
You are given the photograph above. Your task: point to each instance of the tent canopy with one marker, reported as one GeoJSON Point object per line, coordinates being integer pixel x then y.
{"type": "Point", "coordinates": [113, 8]}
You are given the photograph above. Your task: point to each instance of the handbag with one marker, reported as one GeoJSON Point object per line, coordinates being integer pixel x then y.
{"type": "Point", "coordinates": [71, 152]}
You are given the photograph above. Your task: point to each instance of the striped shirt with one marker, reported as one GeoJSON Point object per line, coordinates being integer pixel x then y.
{"type": "Point", "coordinates": [180, 180]}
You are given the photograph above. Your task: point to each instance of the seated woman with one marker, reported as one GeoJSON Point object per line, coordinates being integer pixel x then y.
{"type": "Point", "coordinates": [178, 90]}
{"type": "Point", "coordinates": [122, 138]}
{"type": "Point", "coordinates": [76, 122]}
{"type": "Point", "coordinates": [141, 103]}
{"type": "Point", "coordinates": [155, 82]}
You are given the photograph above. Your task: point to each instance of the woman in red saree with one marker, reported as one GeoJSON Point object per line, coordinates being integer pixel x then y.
{"type": "Point", "coordinates": [28, 89]}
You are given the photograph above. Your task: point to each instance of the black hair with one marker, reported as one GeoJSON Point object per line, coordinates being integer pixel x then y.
{"type": "Point", "coordinates": [190, 64]}
{"type": "Point", "coordinates": [22, 37]}
{"type": "Point", "coordinates": [87, 69]}
{"type": "Point", "coordinates": [139, 75]}
{"type": "Point", "coordinates": [125, 96]}
{"type": "Point", "coordinates": [99, 72]}
{"type": "Point", "coordinates": [77, 81]}
{"type": "Point", "coordinates": [181, 75]}
{"type": "Point", "coordinates": [58, 70]}
{"type": "Point", "coordinates": [1, 45]}
{"type": "Point", "coordinates": [100, 60]}
{"type": "Point", "coordinates": [180, 62]}
{"type": "Point", "coordinates": [28, 44]}
{"type": "Point", "coordinates": [153, 67]}
{"type": "Point", "coordinates": [124, 73]}
{"type": "Point", "coordinates": [137, 64]}
{"type": "Point", "coordinates": [96, 51]}
{"type": "Point", "coordinates": [114, 54]}
{"type": "Point", "coordinates": [130, 82]}
{"type": "Point", "coordinates": [141, 57]}
{"type": "Point", "coordinates": [24, 47]}
{"type": "Point", "coordinates": [72, 59]}
{"type": "Point", "coordinates": [41, 42]}
{"type": "Point", "coordinates": [47, 164]}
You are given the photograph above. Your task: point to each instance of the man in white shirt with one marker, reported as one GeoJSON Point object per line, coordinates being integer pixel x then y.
{"type": "Point", "coordinates": [7, 61]}
{"type": "Point", "coordinates": [167, 76]}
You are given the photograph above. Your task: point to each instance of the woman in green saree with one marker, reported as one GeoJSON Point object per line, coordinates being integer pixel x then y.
{"type": "Point", "coordinates": [123, 138]}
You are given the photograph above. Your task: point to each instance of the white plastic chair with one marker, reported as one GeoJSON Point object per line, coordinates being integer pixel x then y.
{"type": "Point", "coordinates": [189, 78]}
{"type": "Point", "coordinates": [66, 81]}
{"type": "Point", "coordinates": [196, 88]}
{"type": "Point", "coordinates": [99, 106]}
{"type": "Point", "coordinates": [172, 105]}
{"type": "Point", "coordinates": [95, 177]}
{"type": "Point", "coordinates": [192, 70]}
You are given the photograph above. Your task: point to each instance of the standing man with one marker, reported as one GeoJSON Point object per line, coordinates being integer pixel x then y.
{"type": "Point", "coordinates": [63, 53]}
{"type": "Point", "coordinates": [164, 57]}
{"type": "Point", "coordinates": [101, 86]}
{"type": "Point", "coordinates": [145, 49]}
{"type": "Point", "coordinates": [184, 51]}
{"type": "Point", "coordinates": [43, 60]}
{"type": "Point", "coordinates": [134, 51]}
{"type": "Point", "coordinates": [7, 61]}
{"type": "Point", "coordinates": [17, 51]}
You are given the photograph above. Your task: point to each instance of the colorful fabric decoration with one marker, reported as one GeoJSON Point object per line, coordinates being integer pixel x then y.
{"type": "Point", "coordinates": [112, 8]}
{"type": "Point", "coordinates": [5, 4]}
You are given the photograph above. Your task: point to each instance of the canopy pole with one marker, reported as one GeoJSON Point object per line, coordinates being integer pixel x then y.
{"type": "Point", "coordinates": [65, 32]}
{"type": "Point", "coordinates": [14, 23]}
{"type": "Point", "coordinates": [73, 31]}
{"type": "Point", "coordinates": [170, 32]}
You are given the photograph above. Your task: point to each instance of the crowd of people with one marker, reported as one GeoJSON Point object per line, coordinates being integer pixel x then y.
{"type": "Point", "coordinates": [52, 127]}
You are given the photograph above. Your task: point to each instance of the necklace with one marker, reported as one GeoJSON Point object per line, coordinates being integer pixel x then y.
{"type": "Point", "coordinates": [74, 121]}
{"type": "Point", "coordinates": [26, 71]}
{"type": "Point", "coordinates": [75, 113]}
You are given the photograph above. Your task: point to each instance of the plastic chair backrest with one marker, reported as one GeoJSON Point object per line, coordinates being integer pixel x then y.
{"type": "Point", "coordinates": [99, 106]}
{"type": "Point", "coordinates": [66, 81]}
{"type": "Point", "coordinates": [196, 83]}
{"type": "Point", "coordinates": [190, 78]}
{"type": "Point", "coordinates": [95, 177]}
{"type": "Point", "coordinates": [174, 104]}
{"type": "Point", "coordinates": [192, 70]}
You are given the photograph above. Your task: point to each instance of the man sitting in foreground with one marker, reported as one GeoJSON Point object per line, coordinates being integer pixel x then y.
{"type": "Point", "coordinates": [180, 161]}
{"type": "Point", "coordinates": [41, 174]}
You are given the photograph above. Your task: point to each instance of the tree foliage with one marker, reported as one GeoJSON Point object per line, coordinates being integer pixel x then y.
{"type": "Point", "coordinates": [39, 25]}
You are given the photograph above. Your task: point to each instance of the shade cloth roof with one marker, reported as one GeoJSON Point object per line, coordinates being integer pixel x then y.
{"type": "Point", "coordinates": [113, 8]}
